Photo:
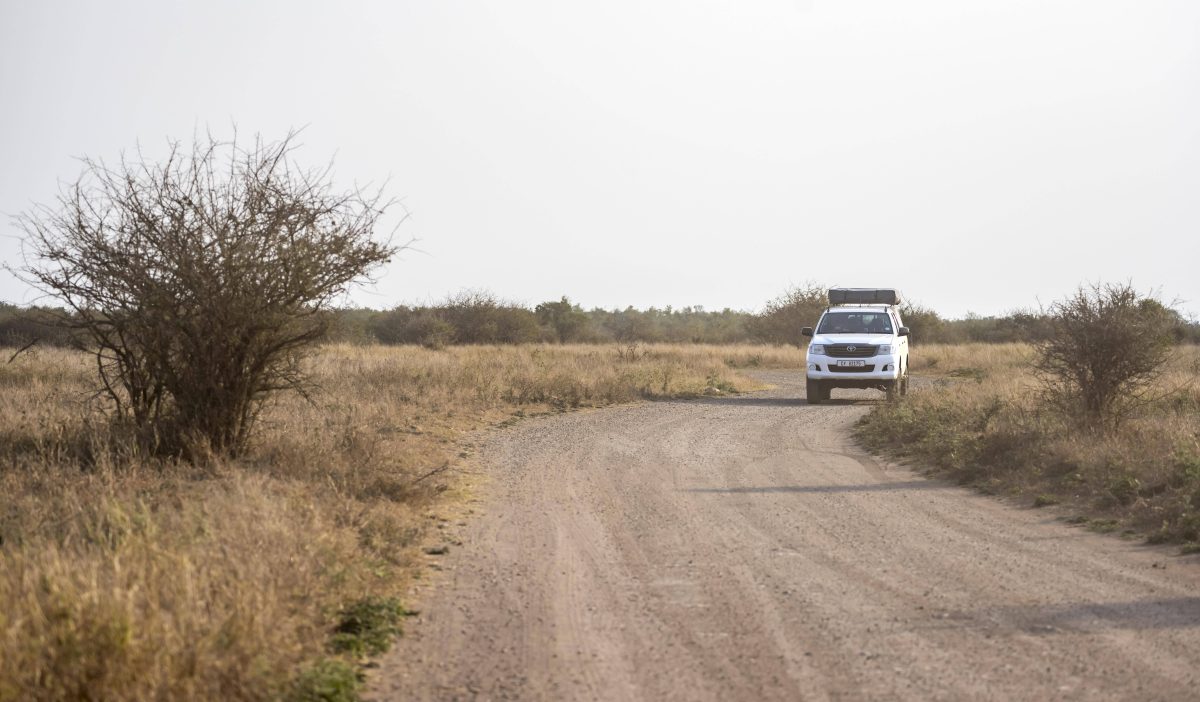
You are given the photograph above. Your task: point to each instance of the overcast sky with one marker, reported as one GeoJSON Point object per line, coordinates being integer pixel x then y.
{"type": "Point", "coordinates": [981, 156]}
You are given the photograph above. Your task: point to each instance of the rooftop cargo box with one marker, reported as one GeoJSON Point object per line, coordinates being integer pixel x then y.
{"type": "Point", "coordinates": [864, 296]}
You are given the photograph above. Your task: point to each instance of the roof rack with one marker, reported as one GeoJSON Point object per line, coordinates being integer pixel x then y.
{"type": "Point", "coordinates": [864, 296]}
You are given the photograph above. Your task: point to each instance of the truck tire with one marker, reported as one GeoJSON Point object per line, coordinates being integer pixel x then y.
{"type": "Point", "coordinates": [904, 386]}
{"type": "Point", "coordinates": [892, 387]}
{"type": "Point", "coordinates": [814, 392]}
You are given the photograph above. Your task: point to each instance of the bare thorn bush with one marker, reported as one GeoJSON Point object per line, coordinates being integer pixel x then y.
{"type": "Point", "coordinates": [1106, 348]}
{"type": "Point", "coordinates": [198, 283]}
{"type": "Point", "coordinates": [783, 317]}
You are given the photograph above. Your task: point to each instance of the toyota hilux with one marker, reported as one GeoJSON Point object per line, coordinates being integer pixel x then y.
{"type": "Point", "coordinates": [859, 342]}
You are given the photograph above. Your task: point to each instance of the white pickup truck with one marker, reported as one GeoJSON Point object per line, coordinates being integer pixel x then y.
{"type": "Point", "coordinates": [859, 342]}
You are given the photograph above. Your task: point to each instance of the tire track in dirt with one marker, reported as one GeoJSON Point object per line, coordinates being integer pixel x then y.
{"type": "Point", "coordinates": [744, 548]}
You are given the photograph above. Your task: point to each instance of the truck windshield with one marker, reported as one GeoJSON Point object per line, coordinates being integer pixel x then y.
{"type": "Point", "coordinates": [855, 323]}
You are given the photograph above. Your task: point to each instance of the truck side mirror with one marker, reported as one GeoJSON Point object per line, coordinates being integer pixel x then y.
{"type": "Point", "coordinates": [806, 331]}
{"type": "Point", "coordinates": [903, 331]}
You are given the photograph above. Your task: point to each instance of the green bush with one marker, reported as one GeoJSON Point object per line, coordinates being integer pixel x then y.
{"type": "Point", "coordinates": [568, 321]}
{"type": "Point", "coordinates": [328, 680]}
{"type": "Point", "coordinates": [367, 627]}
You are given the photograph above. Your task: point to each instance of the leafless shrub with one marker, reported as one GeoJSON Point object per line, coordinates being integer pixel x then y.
{"type": "Point", "coordinates": [783, 317]}
{"type": "Point", "coordinates": [479, 317]}
{"type": "Point", "coordinates": [468, 317]}
{"type": "Point", "coordinates": [198, 282]}
{"type": "Point", "coordinates": [631, 353]}
{"type": "Point", "coordinates": [1107, 345]}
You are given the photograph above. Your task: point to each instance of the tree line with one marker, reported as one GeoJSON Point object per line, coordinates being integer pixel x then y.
{"type": "Point", "coordinates": [480, 317]}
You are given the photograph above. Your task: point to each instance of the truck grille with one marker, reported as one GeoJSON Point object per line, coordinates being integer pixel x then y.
{"type": "Point", "coordinates": [850, 369]}
{"type": "Point", "coordinates": [843, 350]}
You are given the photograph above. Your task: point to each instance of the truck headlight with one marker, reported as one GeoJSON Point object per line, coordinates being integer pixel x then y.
{"type": "Point", "coordinates": [884, 348]}
{"type": "Point", "coordinates": [818, 349]}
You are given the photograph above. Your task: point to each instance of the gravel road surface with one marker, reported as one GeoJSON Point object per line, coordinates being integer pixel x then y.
{"type": "Point", "coordinates": [743, 548]}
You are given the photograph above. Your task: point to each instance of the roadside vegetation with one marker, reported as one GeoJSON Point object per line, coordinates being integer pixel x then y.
{"type": "Point", "coordinates": [1104, 424]}
{"type": "Point", "coordinates": [135, 576]}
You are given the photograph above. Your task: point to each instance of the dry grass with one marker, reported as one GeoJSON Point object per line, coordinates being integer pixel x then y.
{"type": "Point", "coordinates": [983, 423]}
{"type": "Point", "coordinates": [123, 577]}
{"type": "Point", "coordinates": [959, 360]}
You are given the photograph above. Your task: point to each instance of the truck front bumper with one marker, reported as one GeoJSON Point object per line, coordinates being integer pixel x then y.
{"type": "Point", "coordinates": [875, 370]}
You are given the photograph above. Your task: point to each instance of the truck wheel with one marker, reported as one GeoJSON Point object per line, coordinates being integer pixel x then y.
{"type": "Point", "coordinates": [814, 392]}
{"type": "Point", "coordinates": [904, 386]}
{"type": "Point", "coordinates": [891, 390]}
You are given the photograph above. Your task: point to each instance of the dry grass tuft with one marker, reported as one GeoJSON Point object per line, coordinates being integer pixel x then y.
{"type": "Point", "coordinates": [984, 423]}
{"type": "Point", "coordinates": [126, 577]}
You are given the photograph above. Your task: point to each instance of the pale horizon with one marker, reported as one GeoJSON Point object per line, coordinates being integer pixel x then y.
{"type": "Point", "coordinates": [980, 158]}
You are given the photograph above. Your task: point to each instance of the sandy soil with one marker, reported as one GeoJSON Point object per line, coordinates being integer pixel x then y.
{"type": "Point", "coordinates": [744, 549]}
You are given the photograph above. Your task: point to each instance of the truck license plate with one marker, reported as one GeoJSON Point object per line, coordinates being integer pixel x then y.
{"type": "Point", "coordinates": [852, 364]}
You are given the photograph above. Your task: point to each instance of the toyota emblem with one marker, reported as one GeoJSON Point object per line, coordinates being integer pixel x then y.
{"type": "Point", "coordinates": [851, 348]}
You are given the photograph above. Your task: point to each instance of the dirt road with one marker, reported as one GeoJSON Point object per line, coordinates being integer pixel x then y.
{"type": "Point", "coordinates": [744, 549]}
